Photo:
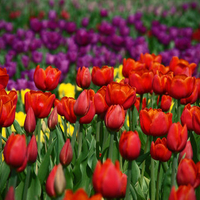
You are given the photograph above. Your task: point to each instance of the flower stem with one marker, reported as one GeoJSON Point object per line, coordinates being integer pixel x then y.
{"type": "Point", "coordinates": [127, 197]}
{"type": "Point", "coordinates": [158, 180]}
{"type": "Point", "coordinates": [179, 110]}
{"type": "Point", "coordinates": [134, 117]}
{"type": "Point", "coordinates": [152, 180]}
{"type": "Point", "coordinates": [130, 119]}
{"type": "Point", "coordinates": [174, 166]}
{"type": "Point", "coordinates": [76, 129]}
{"type": "Point", "coordinates": [80, 139]}
{"type": "Point", "coordinates": [110, 153]}
{"type": "Point", "coordinates": [38, 132]}
{"type": "Point", "coordinates": [13, 178]}
{"type": "Point", "coordinates": [141, 97]}
{"type": "Point", "coordinates": [98, 136]}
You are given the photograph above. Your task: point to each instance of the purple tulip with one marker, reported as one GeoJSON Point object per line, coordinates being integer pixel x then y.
{"type": "Point", "coordinates": [37, 57]}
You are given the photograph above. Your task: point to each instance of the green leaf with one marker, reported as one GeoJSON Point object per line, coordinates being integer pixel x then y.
{"type": "Point", "coordinates": [17, 127]}
{"type": "Point", "coordinates": [69, 178]}
{"type": "Point", "coordinates": [135, 172]}
{"type": "Point", "coordinates": [44, 167]}
{"type": "Point", "coordinates": [4, 174]}
{"type": "Point", "coordinates": [19, 191]}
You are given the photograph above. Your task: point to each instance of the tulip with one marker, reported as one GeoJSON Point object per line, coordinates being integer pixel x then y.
{"type": "Point", "coordinates": [55, 184]}
{"type": "Point", "coordinates": [184, 192]}
{"type": "Point", "coordinates": [15, 150]}
{"type": "Point", "coordinates": [155, 122]}
{"type": "Point", "coordinates": [66, 153]}
{"type": "Point", "coordinates": [187, 172]}
{"type": "Point", "coordinates": [158, 67]}
{"type": "Point", "coordinates": [65, 108]}
{"type": "Point", "coordinates": [53, 119]}
{"type": "Point", "coordinates": [177, 137]}
{"type": "Point", "coordinates": [159, 150]}
{"type": "Point", "coordinates": [102, 76]}
{"type": "Point", "coordinates": [165, 103]}
{"type": "Point", "coordinates": [196, 120]}
{"type": "Point", "coordinates": [10, 194]}
{"type": "Point", "coordinates": [142, 80]}
{"type": "Point", "coordinates": [83, 77]}
{"type": "Point", "coordinates": [8, 104]}
{"type": "Point", "coordinates": [180, 86]}
{"type": "Point", "coordinates": [4, 77]}
{"type": "Point", "coordinates": [112, 122]}
{"type": "Point", "coordinates": [187, 152]}
{"type": "Point", "coordinates": [32, 150]}
{"type": "Point", "coordinates": [119, 93]}
{"type": "Point", "coordinates": [47, 79]}
{"type": "Point", "coordinates": [137, 103]}
{"type": "Point", "coordinates": [148, 59]}
{"type": "Point", "coordinates": [129, 145]}
{"type": "Point", "coordinates": [30, 121]}
{"type": "Point", "coordinates": [108, 180]}
{"type": "Point", "coordinates": [23, 166]}
{"type": "Point", "coordinates": [41, 102]}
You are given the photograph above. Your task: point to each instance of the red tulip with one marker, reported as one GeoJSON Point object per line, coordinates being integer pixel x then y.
{"type": "Point", "coordinates": [184, 192]}
{"type": "Point", "coordinates": [198, 86]}
{"type": "Point", "coordinates": [159, 150]}
{"type": "Point", "coordinates": [83, 77]}
{"type": "Point", "coordinates": [129, 145]}
{"type": "Point", "coordinates": [32, 150]}
{"type": "Point", "coordinates": [65, 108]}
{"type": "Point", "coordinates": [102, 76]}
{"type": "Point", "coordinates": [4, 77]}
{"type": "Point", "coordinates": [177, 137]}
{"type": "Point", "coordinates": [196, 120]}
{"type": "Point", "coordinates": [53, 119]}
{"type": "Point", "coordinates": [165, 103]}
{"type": "Point", "coordinates": [111, 121]}
{"type": "Point", "coordinates": [119, 93]}
{"type": "Point", "coordinates": [41, 102]}
{"type": "Point", "coordinates": [15, 150]}
{"type": "Point", "coordinates": [108, 180]}
{"type": "Point", "coordinates": [66, 153]}
{"type": "Point", "coordinates": [10, 194]}
{"type": "Point", "coordinates": [30, 121]}
{"type": "Point", "coordinates": [47, 79]}
{"type": "Point", "coordinates": [155, 122]}
{"type": "Point", "coordinates": [187, 152]}
{"type": "Point", "coordinates": [137, 103]}
{"type": "Point", "coordinates": [8, 104]}
{"type": "Point", "coordinates": [158, 67]}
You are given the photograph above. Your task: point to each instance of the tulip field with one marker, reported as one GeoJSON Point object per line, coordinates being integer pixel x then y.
{"type": "Point", "coordinates": [99, 100]}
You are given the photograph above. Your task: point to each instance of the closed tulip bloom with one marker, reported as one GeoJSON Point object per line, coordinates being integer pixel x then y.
{"type": "Point", "coordinates": [15, 150]}
{"type": "Point", "coordinates": [53, 119]}
{"type": "Point", "coordinates": [83, 77]}
{"type": "Point", "coordinates": [47, 79]}
{"type": "Point", "coordinates": [65, 108]}
{"type": "Point", "coordinates": [177, 137]}
{"type": "Point", "coordinates": [129, 145]}
{"type": "Point", "coordinates": [142, 80]}
{"type": "Point", "coordinates": [119, 93]}
{"type": "Point", "coordinates": [41, 102]}
{"type": "Point", "coordinates": [181, 66]}
{"type": "Point", "coordinates": [180, 86]}
{"type": "Point", "coordinates": [32, 150]}
{"type": "Point", "coordinates": [102, 76]}
{"type": "Point", "coordinates": [155, 122]}
{"type": "Point", "coordinates": [66, 153]}
{"type": "Point", "coordinates": [30, 121]}
{"type": "Point", "coordinates": [10, 194]}
{"type": "Point", "coordinates": [187, 152]}
{"type": "Point", "coordinates": [8, 104]}
{"type": "Point", "coordinates": [159, 150]}
{"type": "Point", "coordinates": [115, 117]}
{"type": "Point", "coordinates": [187, 172]}
{"type": "Point", "coordinates": [184, 192]}
{"type": "Point", "coordinates": [165, 103]}
{"type": "Point", "coordinates": [4, 77]}
{"type": "Point", "coordinates": [108, 180]}
{"type": "Point", "coordinates": [196, 120]}
{"type": "Point", "coordinates": [129, 65]}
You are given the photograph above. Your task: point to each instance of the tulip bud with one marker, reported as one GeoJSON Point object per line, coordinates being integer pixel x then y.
{"type": "Point", "coordinates": [10, 194]}
{"type": "Point", "coordinates": [66, 153]}
{"type": "Point", "coordinates": [30, 121]}
{"type": "Point", "coordinates": [83, 77]}
{"type": "Point", "coordinates": [187, 152]}
{"type": "Point", "coordinates": [53, 119]}
{"type": "Point", "coordinates": [32, 150]}
{"type": "Point", "coordinates": [129, 145]}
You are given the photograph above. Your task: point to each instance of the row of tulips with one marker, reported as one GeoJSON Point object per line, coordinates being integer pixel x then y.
{"type": "Point", "coordinates": [111, 125]}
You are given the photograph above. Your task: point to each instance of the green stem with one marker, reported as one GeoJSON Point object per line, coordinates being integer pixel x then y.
{"type": "Point", "coordinates": [141, 97]}
{"type": "Point", "coordinates": [76, 129]}
{"type": "Point", "coordinates": [179, 110]}
{"type": "Point", "coordinates": [128, 196]}
{"type": "Point", "coordinates": [98, 136]}
{"type": "Point", "coordinates": [159, 103]}
{"type": "Point", "coordinates": [80, 139]}
{"type": "Point", "coordinates": [13, 178]}
{"type": "Point", "coordinates": [152, 180]}
{"type": "Point", "coordinates": [38, 132]}
{"type": "Point", "coordinates": [65, 128]}
{"type": "Point", "coordinates": [174, 166]}
{"type": "Point", "coordinates": [158, 180]}
{"type": "Point", "coordinates": [165, 166]}
{"type": "Point", "coordinates": [134, 117]}
{"type": "Point", "coordinates": [152, 100]}
{"type": "Point", "coordinates": [110, 153]}
{"type": "Point", "coordinates": [130, 119]}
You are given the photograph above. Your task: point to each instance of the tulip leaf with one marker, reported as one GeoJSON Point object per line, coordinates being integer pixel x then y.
{"type": "Point", "coordinates": [139, 192]}
{"type": "Point", "coordinates": [195, 139]}
{"type": "Point", "coordinates": [69, 178]}
{"type": "Point", "coordinates": [19, 191]}
{"type": "Point", "coordinates": [135, 172]}
{"type": "Point", "coordinates": [17, 127]}
{"type": "Point", "coordinates": [44, 167]}
{"type": "Point", "coordinates": [5, 171]}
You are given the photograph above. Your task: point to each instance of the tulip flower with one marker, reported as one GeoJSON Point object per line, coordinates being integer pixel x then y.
{"type": "Point", "coordinates": [32, 150]}
{"type": "Point", "coordinates": [47, 79]}
{"type": "Point", "coordinates": [8, 104]}
{"type": "Point", "coordinates": [55, 184]}
{"type": "Point", "coordinates": [177, 137]}
{"type": "Point", "coordinates": [142, 80]}
{"type": "Point", "coordinates": [112, 122]}
{"type": "Point", "coordinates": [187, 172]}
{"type": "Point", "coordinates": [119, 93]}
{"type": "Point", "coordinates": [83, 77]}
{"type": "Point", "coordinates": [137, 103]}
{"type": "Point", "coordinates": [4, 77]}
{"type": "Point", "coordinates": [108, 180]}
{"type": "Point", "coordinates": [184, 192]}
{"type": "Point", "coordinates": [66, 153]}
{"type": "Point", "coordinates": [53, 119]}
{"type": "Point", "coordinates": [180, 86]}
{"type": "Point", "coordinates": [65, 108]}
{"type": "Point", "coordinates": [148, 59]}
{"type": "Point", "coordinates": [155, 122]}
{"type": "Point", "coordinates": [102, 76]}
{"type": "Point", "coordinates": [187, 152]}
{"type": "Point", "coordinates": [196, 120]}
{"type": "Point", "coordinates": [30, 121]}
{"type": "Point", "coordinates": [198, 86]}
{"type": "Point", "coordinates": [129, 145]}
{"type": "Point", "coordinates": [10, 194]}
{"type": "Point", "coordinates": [165, 103]}
{"type": "Point", "coordinates": [159, 150]}
{"type": "Point", "coordinates": [41, 102]}
{"type": "Point", "coordinates": [15, 150]}
{"type": "Point", "coordinates": [158, 67]}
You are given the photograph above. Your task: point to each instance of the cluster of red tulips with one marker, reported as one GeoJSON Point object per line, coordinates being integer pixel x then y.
{"type": "Point", "coordinates": [154, 109]}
